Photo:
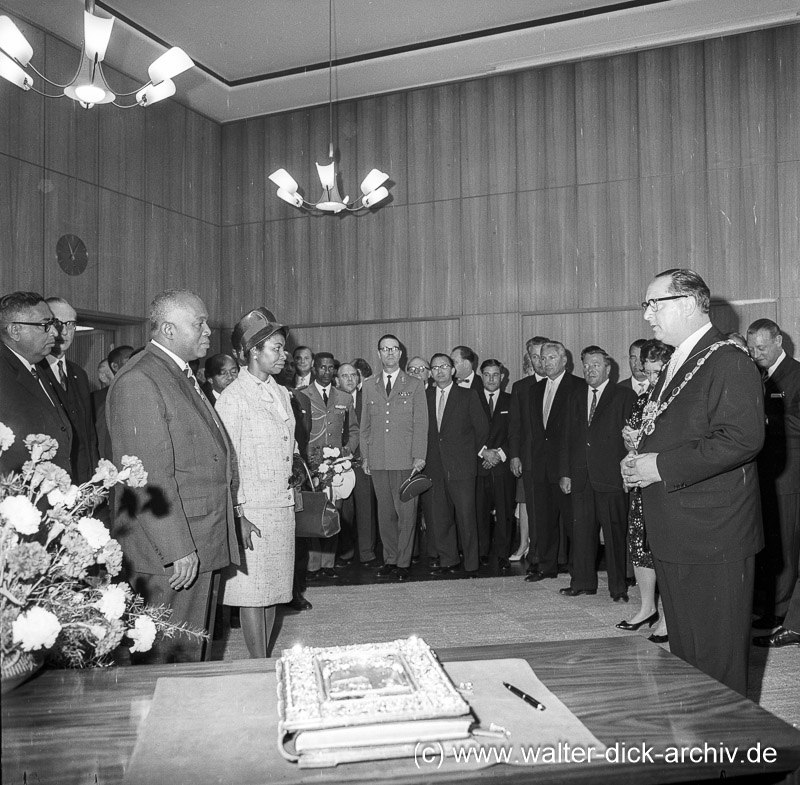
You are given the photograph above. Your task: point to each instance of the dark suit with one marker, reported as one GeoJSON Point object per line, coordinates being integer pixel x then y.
{"type": "Point", "coordinates": [155, 413]}
{"type": "Point", "coordinates": [359, 507]}
{"type": "Point", "coordinates": [590, 457]}
{"type": "Point", "coordinates": [452, 464]}
{"type": "Point", "coordinates": [77, 403]}
{"type": "Point", "coordinates": [26, 409]}
{"type": "Point", "coordinates": [98, 398]}
{"type": "Point", "coordinates": [496, 487]}
{"type": "Point", "coordinates": [210, 393]}
{"type": "Point", "coordinates": [703, 517]}
{"type": "Point", "coordinates": [779, 477]}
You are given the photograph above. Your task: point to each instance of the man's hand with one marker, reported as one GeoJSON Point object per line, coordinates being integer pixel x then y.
{"type": "Point", "coordinates": [516, 467]}
{"type": "Point", "coordinates": [246, 532]}
{"type": "Point", "coordinates": [417, 465]}
{"type": "Point", "coordinates": [631, 437]}
{"type": "Point", "coordinates": [565, 483]}
{"type": "Point", "coordinates": [639, 471]}
{"type": "Point", "coordinates": [184, 571]}
{"type": "Point", "coordinates": [365, 467]}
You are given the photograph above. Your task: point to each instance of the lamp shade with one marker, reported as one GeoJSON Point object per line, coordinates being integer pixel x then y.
{"type": "Point", "coordinates": [173, 62]}
{"type": "Point", "coordinates": [292, 197]}
{"type": "Point", "coordinates": [284, 180]}
{"type": "Point", "coordinates": [96, 35]}
{"type": "Point", "coordinates": [11, 71]}
{"type": "Point", "coordinates": [153, 93]}
{"type": "Point", "coordinates": [376, 196]}
{"type": "Point", "coordinates": [13, 43]}
{"type": "Point", "coordinates": [89, 87]}
{"type": "Point", "coordinates": [374, 179]}
{"type": "Point", "coordinates": [327, 175]}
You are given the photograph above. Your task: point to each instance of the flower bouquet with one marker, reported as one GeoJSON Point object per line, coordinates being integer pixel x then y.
{"type": "Point", "coordinates": [57, 600]}
{"type": "Point", "coordinates": [332, 471]}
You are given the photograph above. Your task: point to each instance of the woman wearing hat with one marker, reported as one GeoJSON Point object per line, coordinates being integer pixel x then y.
{"type": "Point", "coordinates": [257, 414]}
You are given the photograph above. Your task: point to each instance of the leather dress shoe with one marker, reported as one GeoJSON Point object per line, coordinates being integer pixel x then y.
{"type": "Point", "coordinates": [767, 622]}
{"type": "Point", "coordinates": [484, 560]}
{"type": "Point", "coordinates": [658, 638]}
{"type": "Point", "coordinates": [445, 570]}
{"type": "Point", "coordinates": [313, 575]}
{"type": "Point", "coordinates": [504, 564]}
{"type": "Point", "coordinates": [570, 592]}
{"type": "Point", "coordinates": [329, 572]}
{"type": "Point", "coordinates": [535, 577]}
{"type": "Point", "coordinates": [300, 603]}
{"type": "Point", "coordinates": [343, 562]}
{"type": "Point", "coordinates": [620, 597]}
{"type": "Point", "coordinates": [402, 574]}
{"type": "Point", "coordinates": [433, 562]}
{"type": "Point", "coordinates": [470, 573]}
{"type": "Point", "coordinates": [781, 637]}
{"type": "Point", "coordinates": [369, 563]}
{"type": "Point", "coordinates": [649, 621]}
{"type": "Point", "coordinates": [386, 570]}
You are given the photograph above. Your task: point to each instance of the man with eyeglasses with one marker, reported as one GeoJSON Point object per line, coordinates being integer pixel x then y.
{"type": "Point", "coordinates": [696, 466]}
{"type": "Point", "coordinates": [28, 401]}
{"type": "Point", "coordinates": [394, 440]}
{"type": "Point", "coordinates": [418, 366]}
{"type": "Point", "coordinates": [71, 384]}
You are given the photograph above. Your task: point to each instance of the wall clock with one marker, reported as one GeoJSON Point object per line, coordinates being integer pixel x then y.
{"type": "Point", "coordinates": [72, 254]}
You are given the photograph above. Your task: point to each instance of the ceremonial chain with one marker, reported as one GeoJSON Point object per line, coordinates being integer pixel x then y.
{"type": "Point", "coordinates": [653, 409]}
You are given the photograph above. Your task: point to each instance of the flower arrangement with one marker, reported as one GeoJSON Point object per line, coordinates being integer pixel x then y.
{"type": "Point", "coordinates": [57, 599]}
{"type": "Point", "coordinates": [332, 471]}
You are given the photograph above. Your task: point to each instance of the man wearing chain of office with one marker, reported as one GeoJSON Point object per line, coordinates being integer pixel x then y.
{"type": "Point", "coordinates": [695, 463]}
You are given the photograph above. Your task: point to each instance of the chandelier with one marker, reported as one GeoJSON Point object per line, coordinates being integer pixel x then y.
{"type": "Point", "coordinates": [373, 190]}
{"type": "Point", "coordinates": [89, 86]}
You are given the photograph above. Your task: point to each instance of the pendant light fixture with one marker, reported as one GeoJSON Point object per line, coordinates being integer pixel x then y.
{"type": "Point", "coordinates": [373, 189]}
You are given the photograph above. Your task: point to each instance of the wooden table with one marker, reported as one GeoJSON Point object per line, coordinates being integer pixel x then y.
{"type": "Point", "coordinates": [81, 726]}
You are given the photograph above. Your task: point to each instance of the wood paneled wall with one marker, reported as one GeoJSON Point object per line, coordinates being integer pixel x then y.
{"type": "Point", "coordinates": [535, 202]}
{"type": "Point", "coordinates": [140, 187]}
{"type": "Point", "coordinates": [539, 202]}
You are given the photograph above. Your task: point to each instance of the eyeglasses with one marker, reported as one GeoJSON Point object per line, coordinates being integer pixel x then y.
{"type": "Point", "coordinates": [44, 325]}
{"type": "Point", "coordinates": [418, 369]}
{"type": "Point", "coordinates": [69, 325]}
{"type": "Point", "coordinates": [441, 367]}
{"type": "Point", "coordinates": [654, 301]}
{"type": "Point", "coordinates": [389, 349]}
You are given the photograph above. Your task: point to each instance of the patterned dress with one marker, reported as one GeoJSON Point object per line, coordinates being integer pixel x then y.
{"type": "Point", "coordinates": [638, 548]}
{"type": "Point", "coordinates": [260, 423]}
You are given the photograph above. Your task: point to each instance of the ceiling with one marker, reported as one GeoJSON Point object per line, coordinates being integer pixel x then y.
{"type": "Point", "coordinates": [259, 57]}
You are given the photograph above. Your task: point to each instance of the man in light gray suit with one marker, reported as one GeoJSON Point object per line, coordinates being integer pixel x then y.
{"type": "Point", "coordinates": [394, 441]}
{"type": "Point", "coordinates": [177, 530]}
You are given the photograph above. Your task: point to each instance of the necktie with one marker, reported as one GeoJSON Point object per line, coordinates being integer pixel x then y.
{"type": "Point", "coordinates": [193, 379]}
{"type": "Point", "coordinates": [440, 409]}
{"type": "Point", "coordinates": [325, 397]}
{"type": "Point", "coordinates": [548, 400]}
{"type": "Point", "coordinates": [668, 374]}
{"type": "Point", "coordinates": [36, 376]}
{"type": "Point", "coordinates": [593, 406]}
{"type": "Point", "coordinates": [388, 386]}
{"type": "Point", "coordinates": [491, 404]}
{"type": "Point", "coordinates": [62, 376]}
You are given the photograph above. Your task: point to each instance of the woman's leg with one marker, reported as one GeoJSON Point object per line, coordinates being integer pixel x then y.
{"type": "Point", "coordinates": [257, 624]}
{"type": "Point", "coordinates": [646, 580]}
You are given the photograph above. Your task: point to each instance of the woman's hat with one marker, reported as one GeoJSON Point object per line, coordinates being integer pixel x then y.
{"type": "Point", "coordinates": [256, 326]}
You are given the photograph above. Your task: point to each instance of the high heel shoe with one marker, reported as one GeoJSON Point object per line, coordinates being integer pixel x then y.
{"type": "Point", "coordinates": [649, 621]}
{"type": "Point", "coordinates": [520, 555]}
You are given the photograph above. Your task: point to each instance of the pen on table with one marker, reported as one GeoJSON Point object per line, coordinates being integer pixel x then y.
{"type": "Point", "coordinates": [524, 695]}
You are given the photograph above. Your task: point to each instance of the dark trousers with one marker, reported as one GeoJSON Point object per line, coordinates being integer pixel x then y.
{"type": "Point", "coordinates": [777, 564]}
{"type": "Point", "coordinates": [364, 498]}
{"type": "Point", "coordinates": [397, 520]}
{"type": "Point", "coordinates": [591, 511]}
{"type": "Point", "coordinates": [707, 608]}
{"type": "Point", "coordinates": [530, 509]}
{"type": "Point", "coordinates": [551, 508]}
{"type": "Point", "coordinates": [188, 605]}
{"type": "Point", "coordinates": [496, 491]}
{"type": "Point", "coordinates": [454, 521]}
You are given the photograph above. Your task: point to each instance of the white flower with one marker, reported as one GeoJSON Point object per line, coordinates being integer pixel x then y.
{"type": "Point", "coordinates": [338, 468]}
{"type": "Point", "coordinates": [35, 629]}
{"type": "Point", "coordinates": [113, 601]}
{"type": "Point", "coordinates": [6, 437]}
{"type": "Point", "coordinates": [347, 464]}
{"type": "Point", "coordinates": [330, 452]}
{"type": "Point", "coordinates": [41, 446]}
{"type": "Point", "coordinates": [143, 634]}
{"type": "Point", "coordinates": [98, 631]}
{"type": "Point", "coordinates": [106, 473]}
{"type": "Point", "coordinates": [133, 472]}
{"type": "Point", "coordinates": [21, 514]}
{"type": "Point", "coordinates": [68, 499]}
{"type": "Point", "coordinates": [94, 531]}
{"type": "Point", "coordinates": [324, 467]}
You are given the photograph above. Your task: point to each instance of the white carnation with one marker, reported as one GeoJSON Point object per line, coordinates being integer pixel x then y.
{"type": "Point", "coordinates": [94, 531]}
{"type": "Point", "coordinates": [143, 634]}
{"type": "Point", "coordinates": [113, 601]}
{"type": "Point", "coordinates": [21, 514]}
{"type": "Point", "coordinates": [35, 629]}
{"type": "Point", "coordinates": [6, 437]}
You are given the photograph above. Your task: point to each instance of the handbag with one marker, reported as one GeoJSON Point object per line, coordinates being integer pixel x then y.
{"type": "Point", "coordinates": [314, 513]}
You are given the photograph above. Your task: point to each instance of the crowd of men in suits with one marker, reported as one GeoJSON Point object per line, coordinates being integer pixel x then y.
{"type": "Point", "coordinates": [450, 417]}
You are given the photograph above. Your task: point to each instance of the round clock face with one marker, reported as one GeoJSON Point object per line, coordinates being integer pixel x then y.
{"type": "Point", "coordinates": [72, 254]}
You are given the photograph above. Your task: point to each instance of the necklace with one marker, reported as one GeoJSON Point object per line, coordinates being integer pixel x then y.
{"type": "Point", "coordinates": [653, 410]}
